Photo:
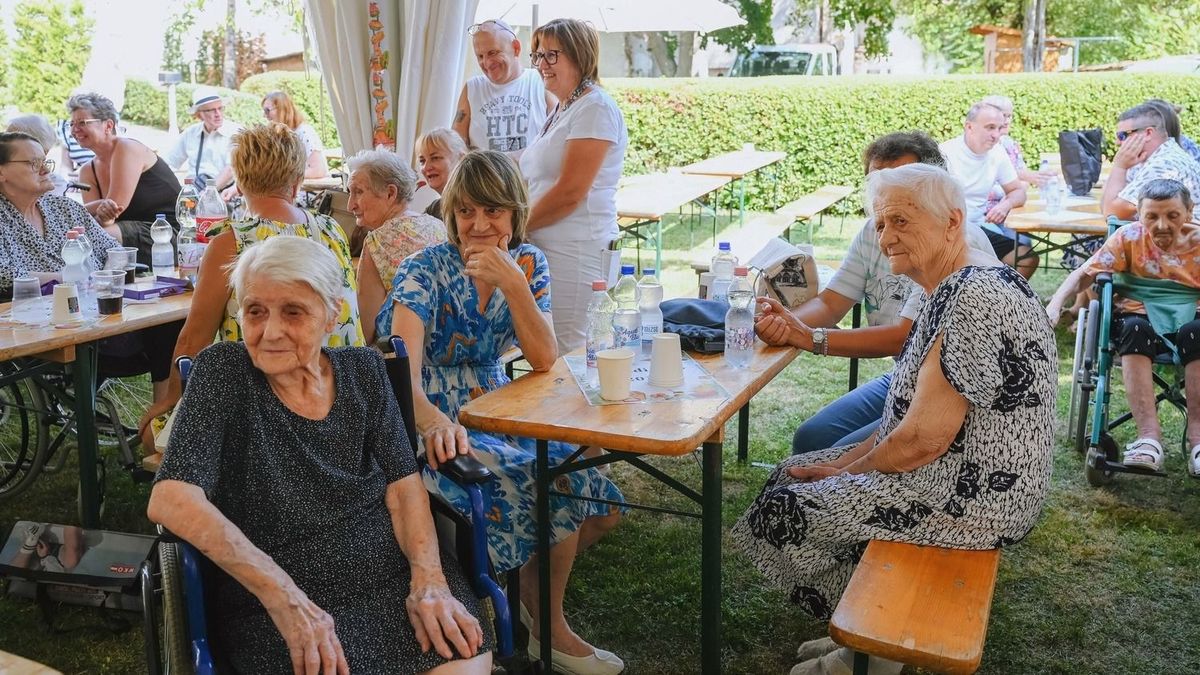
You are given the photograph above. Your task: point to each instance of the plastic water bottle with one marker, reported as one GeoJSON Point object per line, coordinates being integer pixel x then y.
{"type": "Point", "coordinates": [162, 254]}
{"type": "Point", "coordinates": [88, 263]}
{"type": "Point", "coordinates": [1051, 189]}
{"type": "Point", "coordinates": [722, 269]}
{"type": "Point", "coordinates": [599, 321]}
{"type": "Point", "coordinates": [74, 271]}
{"type": "Point", "coordinates": [650, 295]}
{"type": "Point", "coordinates": [185, 204]}
{"type": "Point", "coordinates": [739, 321]}
{"type": "Point", "coordinates": [190, 252]}
{"type": "Point", "coordinates": [210, 210]}
{"type": "Point", "coordinates": [627, 319]}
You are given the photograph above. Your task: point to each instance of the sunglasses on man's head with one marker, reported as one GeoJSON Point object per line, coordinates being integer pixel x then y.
{"type": "Point", "coordinates": [498, 24]}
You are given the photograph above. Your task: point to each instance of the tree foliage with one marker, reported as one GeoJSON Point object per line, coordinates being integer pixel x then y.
{"type": "Point", "coordinates": [756, 30]}
{"type": "Point", "coordinates": [53, 44]}
{"type": "Point", "coordinates": [876, 17]}
{"type": "Point", "coordinates": [179, 26]}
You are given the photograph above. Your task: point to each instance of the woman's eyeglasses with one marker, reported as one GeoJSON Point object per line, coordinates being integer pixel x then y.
{"type": "Point", "coordinates": [38, 165]}
{"type": "Point", "coordinates": [78, 124]}
{"type": "Point", "coordinates": [550, 56]}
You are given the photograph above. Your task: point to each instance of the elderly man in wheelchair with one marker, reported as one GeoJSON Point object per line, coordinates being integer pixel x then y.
{"type": "Point", "coordinates": [1156, 259]}
{"type": "Point", "coordinates": [290, 469]}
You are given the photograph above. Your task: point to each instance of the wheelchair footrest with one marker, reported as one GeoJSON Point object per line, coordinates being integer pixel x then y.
{"type": "Point", "coordinates": [1118, 467]}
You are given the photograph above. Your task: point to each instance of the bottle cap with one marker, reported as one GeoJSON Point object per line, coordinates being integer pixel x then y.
{"type": "Point", "coordinates": [626, 269]}
{"type": "Point", "coordinates": [189, 181]}
{"type": "Point", "coordinates": [160, 216]}
{"type": "Point", "coordinates": [648, 271]}
{"type": "Point", "coordinates": [72, 234]}
{"type": "Point", "coordinates": [599, 285]}
{"type": "Point", "coordinates": [723, 246]}
{"type": "Point", "coordinates": [741, 271]}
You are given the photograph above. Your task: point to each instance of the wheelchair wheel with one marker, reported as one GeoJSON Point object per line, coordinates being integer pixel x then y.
{"type": "Point", "coordinates": [1107, 451]}
{"type": "Point", "coordinates": [1077, 415]}
{"type": "Point", "coordinates": [22, 439]}
{"type": "Point", "coordinates": [176, 645]}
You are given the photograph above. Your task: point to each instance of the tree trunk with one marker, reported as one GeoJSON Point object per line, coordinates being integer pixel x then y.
{"type": "Point", "coordinates": [629, 54]}
{"type": "Point", "coordinates": [658, 51]}
{"type": "Point", "coordinates": [687, 50]}
{"type": "Point", "coordinates": [229, 61]}
{"type": "Point", "coordinates": [1034, 42]}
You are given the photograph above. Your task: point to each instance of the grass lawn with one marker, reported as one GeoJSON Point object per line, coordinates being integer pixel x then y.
{"type": "Point", "coordinates": [1109, 581]}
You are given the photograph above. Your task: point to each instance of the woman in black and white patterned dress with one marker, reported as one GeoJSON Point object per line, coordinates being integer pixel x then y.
{"type": "Point", "coordinates": [962, 457]}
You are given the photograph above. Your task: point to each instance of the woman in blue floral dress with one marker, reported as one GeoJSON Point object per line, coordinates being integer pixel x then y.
{"type": "Point", "coordinates": [466, 301]}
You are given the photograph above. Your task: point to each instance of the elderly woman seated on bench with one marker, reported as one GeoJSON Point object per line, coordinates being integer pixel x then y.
{"type": "Point", "coordinates": [962, 456]}
{"type": "Point", "coordinates": [1163, 245]}
{"type": "Point", "coordinates": [289, 468]}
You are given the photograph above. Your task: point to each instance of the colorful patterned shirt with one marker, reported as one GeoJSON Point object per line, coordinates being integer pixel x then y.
{"type": "Point", "coordinates": [1131, 249]}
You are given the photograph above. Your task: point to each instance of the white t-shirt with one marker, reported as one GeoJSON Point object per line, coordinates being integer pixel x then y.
{"type": "Point", "coordinates": [214, 156]}
{"type": "Point", "coordinates": [977, 174]}
{"type": "Point", "coordinates": [866, 276]}
{"type": "Point", "coordinates": [506, 117]}
{"type": "Point", "coordinates": [310, 138]}
{"type": "Point", "coordinates": [594, 115]}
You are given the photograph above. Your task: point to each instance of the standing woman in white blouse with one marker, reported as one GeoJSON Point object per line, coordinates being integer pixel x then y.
{"type": "Point", "coordinates": [573, 168]}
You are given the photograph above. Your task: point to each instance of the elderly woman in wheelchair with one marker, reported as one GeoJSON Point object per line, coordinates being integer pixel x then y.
{"type": "Point", "coordinates": [1160, 253]}
{"type": "Point", "coordinates": [307, 498]}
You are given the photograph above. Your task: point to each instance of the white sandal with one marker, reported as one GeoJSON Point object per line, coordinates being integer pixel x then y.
{"type": "Point", "coordinates": [1194, 462]}
{"type": "Point", "coordinates": [1144, 453]}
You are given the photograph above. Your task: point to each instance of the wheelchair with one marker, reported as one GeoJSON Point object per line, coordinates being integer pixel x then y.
{"type": "Point", "coordinates": [37, 418]}
{"type": "Point", "coordinates": [1091, 390]}
{"type": "Point", "coordinates": [172, 579]}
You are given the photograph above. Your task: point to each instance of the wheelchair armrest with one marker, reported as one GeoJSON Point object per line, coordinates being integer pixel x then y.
{"type": "Point", "coordinates": [1103, 278]}
{"type": "Point", "coordinates": [466, 470]}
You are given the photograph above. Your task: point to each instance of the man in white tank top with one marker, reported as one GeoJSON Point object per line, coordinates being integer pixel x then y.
{"type": "Point", "coordinates": [505, 108]}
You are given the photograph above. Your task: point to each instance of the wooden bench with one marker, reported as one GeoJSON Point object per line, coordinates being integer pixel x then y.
{"type": "Point", "coordinates": [920, 605]}
{"type": "Point", "coordinates": [813, 205]}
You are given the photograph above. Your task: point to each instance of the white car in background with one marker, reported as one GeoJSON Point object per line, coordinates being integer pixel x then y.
{"type": "Point", "coordinates": [1187, 64]}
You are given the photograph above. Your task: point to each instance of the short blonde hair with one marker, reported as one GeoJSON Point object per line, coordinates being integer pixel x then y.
{"type": "Point", "coordinates": [268, 159]}
{"type": "Point", "coordinates": [486, 178]}
{"type": "Point", "coordinates": [36, 126]}
{"type": "Point", "coordinates": [287, 259]}
{"type": "Point", "coordinates": [446, 140]}
{"type": "Point", "coordinates": [288, 113]}
{"type": "Point", "coordinates": [580, 42]}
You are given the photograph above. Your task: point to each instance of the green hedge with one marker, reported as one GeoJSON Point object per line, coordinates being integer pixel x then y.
{"type": "Point", "coordinates": [146, 103]}
{"type": "Point", "coordinates": [824, 123]}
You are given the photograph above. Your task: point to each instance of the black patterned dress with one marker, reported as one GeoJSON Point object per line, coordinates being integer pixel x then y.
{"type": "Point", "coordinates": [986, 491]}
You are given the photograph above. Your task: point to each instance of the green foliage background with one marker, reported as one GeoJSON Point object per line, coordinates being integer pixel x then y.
{"type": "Point", "coordinates": [52, 46]}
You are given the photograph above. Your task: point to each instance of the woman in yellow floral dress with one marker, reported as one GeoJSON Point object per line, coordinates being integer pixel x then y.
{"type": "Point", "coordinates": [268, 161]}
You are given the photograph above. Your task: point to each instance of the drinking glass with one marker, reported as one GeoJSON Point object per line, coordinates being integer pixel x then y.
{"type": "Point", "coordinates": [109, 286]}
{"type": "Point", "coordinates": [27, 305]}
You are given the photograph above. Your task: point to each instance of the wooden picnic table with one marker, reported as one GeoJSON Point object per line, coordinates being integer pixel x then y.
{"type": "Point", "coordinates": [79, 347]}
{"type": "Point", "coordinates": [736, 166]}
{"type": "Point", "coordinates": [11, 664]}
{"type": "Point", "coordinates": [644, 200]}
{"type": "Point", "coordinates": [549, 406]}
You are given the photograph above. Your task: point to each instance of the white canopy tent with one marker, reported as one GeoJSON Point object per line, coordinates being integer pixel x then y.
{"type": "Point", "coordinates": [393, 67]}
{"type": "Point", "coordinates": [616, 16]}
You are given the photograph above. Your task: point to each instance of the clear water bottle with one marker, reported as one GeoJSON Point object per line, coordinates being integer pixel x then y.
{"type": "Point", "coordinates": [185, 204]}
{"type": "Point", "coordinates": [162, 254]}
{"type": "Point", "coordinates": [599, 321]}
{"type": "Point", "coordinates": [190, 252]}
{"type": "Point", "coordinates": [739, 320]}
{"type": "Point", "coordinates": [74, 271]}
{"type": "Point", "coordinates": [627, 318]}
{"type": "Point", "coordinates": [210, 210]}
{"type": "Point", "coordinates": [650, 295]}
{"type": "Point", "coordinates": [722, 269]}
{"type": "Point", "coordinates": [88, 263]}
{"type": "Point", "coordinates": [1051, 189]}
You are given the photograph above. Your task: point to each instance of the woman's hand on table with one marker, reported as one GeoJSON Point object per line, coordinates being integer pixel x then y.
{"type": "Point", "coordinates": [440, 621]}
{"type": "Point", "coordinates": [811, 473]}
{"type": "Point", "coordinates": [309, 632]}
{"type": "Point", "coordinates": [494, 265]}
{"type": "Point", "coordinates": [780, 328]}
{"type": "Point", "coordinates": [444, 441]}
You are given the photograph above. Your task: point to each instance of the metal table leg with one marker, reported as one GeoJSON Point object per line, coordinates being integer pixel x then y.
{"type": "Point", "coordinates": [543, 551]}
{"type": "Point", "coordinates": [743, 447]}
{"type": "Point", "coordinates": [710, 562]}
{"type": "Point", "coordinates": [84, 369]}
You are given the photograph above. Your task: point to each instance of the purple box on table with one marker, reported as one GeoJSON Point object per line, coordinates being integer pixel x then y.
{"type": "Point", "coordinates": [158, 287]}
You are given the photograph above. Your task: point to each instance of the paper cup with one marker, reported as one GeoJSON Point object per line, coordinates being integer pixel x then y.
{"type": "Point", "coordinates": [666, 361]}
{"type": "Point", "coordinates": [66, 305]}
{"type": "Point", "coordinates": [615, 367]}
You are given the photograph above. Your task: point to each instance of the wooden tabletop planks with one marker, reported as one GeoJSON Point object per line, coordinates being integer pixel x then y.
{"type": "Point", "coordinates": [21, 341]}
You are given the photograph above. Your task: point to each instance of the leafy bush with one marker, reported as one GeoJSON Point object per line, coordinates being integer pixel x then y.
{"type": "Point", "coordinates": [306, 93]}
{"type": "Point", "coordinates": [52, 46]}
{"type": "Point", "coordinates": [824, 123]}
{"type": "Point", "coordinates": [146, 103]}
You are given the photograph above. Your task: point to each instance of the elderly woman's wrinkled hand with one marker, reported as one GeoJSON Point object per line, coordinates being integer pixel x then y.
{"type": "Point", "coordinates": [441, 622]}
{"type": "Point", "coordinates": [309, 632]}
{"type": "Point", "coordinates": [493, 265]}
{"type": "Point", "coordinates": [445, 441]}
{"type": "Point", "coordinates": [811, 473]}
{"type": "Point", "coordinates": [779, 328]}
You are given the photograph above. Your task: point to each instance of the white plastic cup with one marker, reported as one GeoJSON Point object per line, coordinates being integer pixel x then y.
{"type": "Point", "coordinates": [615, 367]}
{"type": "Point", "coordinates": [666, 361]}
{"type": "Point", "coordinates": [66, 305]}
